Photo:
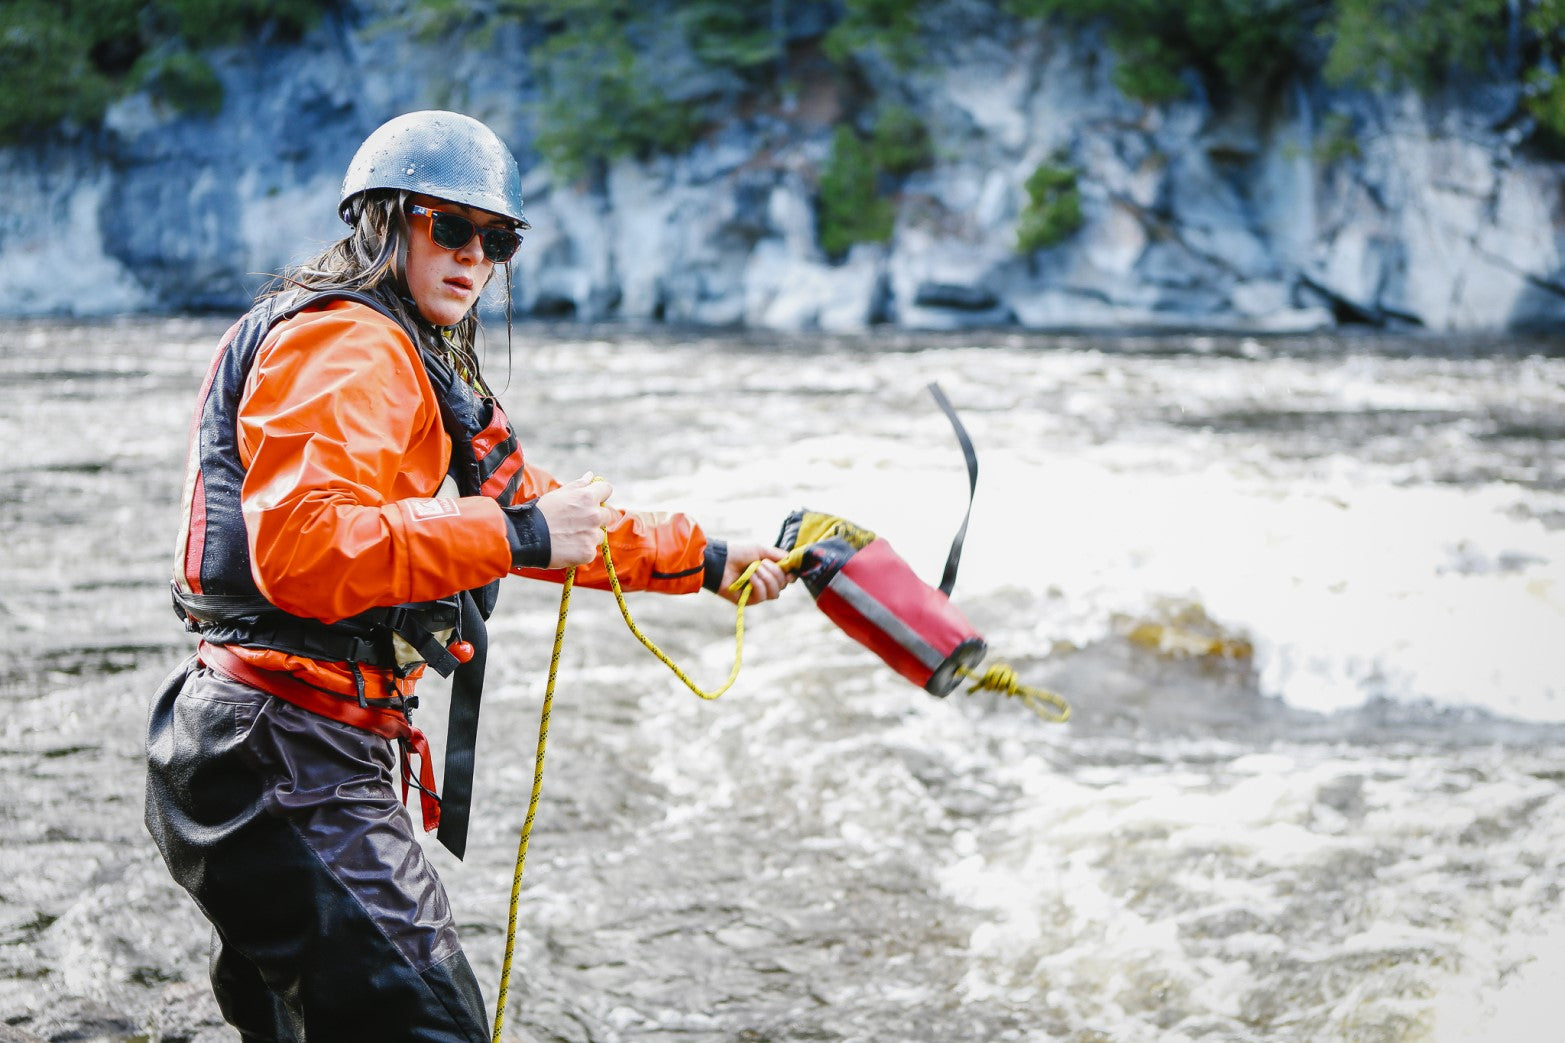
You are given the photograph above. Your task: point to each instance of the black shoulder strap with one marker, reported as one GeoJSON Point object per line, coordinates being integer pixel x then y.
{"type": "Point", "coordinates": [948, 581]}
{"type": "Point", "coordinates": [289, 307]}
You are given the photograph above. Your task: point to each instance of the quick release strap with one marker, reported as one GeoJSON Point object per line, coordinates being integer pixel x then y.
{"type": "Point", "coordinates": [467, 686]}
{"type": "Point", "coordinates": [948, 581]}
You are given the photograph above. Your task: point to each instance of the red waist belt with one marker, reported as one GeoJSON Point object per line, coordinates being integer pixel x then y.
{"type": "Point", "coordinates": [383, 721]}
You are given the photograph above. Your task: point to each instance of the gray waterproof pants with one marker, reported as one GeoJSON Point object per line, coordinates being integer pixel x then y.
{"type": "Point", "coordinates": [329, 923]}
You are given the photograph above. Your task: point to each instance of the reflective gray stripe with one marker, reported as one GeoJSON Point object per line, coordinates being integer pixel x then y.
{"type": "Point", "coordinates": [865, 605]}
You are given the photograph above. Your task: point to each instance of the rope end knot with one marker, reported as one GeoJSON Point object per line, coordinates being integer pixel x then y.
{"type": "Point", "coordinates": [1001, 677]}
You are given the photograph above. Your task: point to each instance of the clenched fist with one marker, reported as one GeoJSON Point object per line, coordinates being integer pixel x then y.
{"type": "Point", "coordinates": [576, 518]}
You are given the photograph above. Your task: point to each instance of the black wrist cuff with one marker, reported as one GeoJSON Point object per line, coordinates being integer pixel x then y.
{"type": "Point", "coordinates": [716, 560]}
{"type": "Point", "coordinates": [528, 534]}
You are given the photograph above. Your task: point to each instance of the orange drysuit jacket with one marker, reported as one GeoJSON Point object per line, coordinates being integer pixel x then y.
{"type": "Point", "coordinates": [340, 435]}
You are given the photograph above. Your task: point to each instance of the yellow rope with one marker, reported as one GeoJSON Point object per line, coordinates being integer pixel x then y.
{"type": "Point", "coordinates": [1001, 678]}
{"type": "Point", "coordinates": [532, 804]}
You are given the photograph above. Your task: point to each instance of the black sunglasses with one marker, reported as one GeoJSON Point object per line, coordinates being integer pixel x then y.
{"type": "Point", "coordinates": [453, 231]}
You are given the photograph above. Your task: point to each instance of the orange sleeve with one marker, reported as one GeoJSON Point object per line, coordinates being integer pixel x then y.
{"type": "Point", "coordinates": [340, 434]}
{"type": "Point", "coordinates": [658, 552]}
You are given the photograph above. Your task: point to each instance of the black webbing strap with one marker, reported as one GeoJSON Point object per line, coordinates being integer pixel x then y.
{"type": "Point", "coordinates": [948, 581]}
{"type": "Point", "coordinates": [249, 619]}
{"type": "Point", "coordinates": [467, 687]}
{"type": "Point", "coordinates": [427, 645]}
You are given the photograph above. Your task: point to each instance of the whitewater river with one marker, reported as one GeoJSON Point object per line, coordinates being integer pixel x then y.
{"type": "Point", "coordinates": [1307, 598]}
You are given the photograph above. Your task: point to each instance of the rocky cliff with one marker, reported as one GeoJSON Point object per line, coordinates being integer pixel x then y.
{"type": "Point", "coordinates": [1196, 216]}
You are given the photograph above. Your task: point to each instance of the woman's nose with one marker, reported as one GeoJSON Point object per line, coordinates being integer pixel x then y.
{"type": "Point", "coordinates": [472, 252]}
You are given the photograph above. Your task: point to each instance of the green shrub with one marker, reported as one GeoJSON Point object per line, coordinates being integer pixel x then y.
{"type": "Point", "coordinates": [742, 35]}
{"type": "Point", "coordinates": [70, 59]}
{"type": "Point", "coordinates": [1399, 43]}
{"type": "Point", "coordinates": [47, 73]}
{"type": "Point", "coordinates": [853, 204]}
{"type": "Point", "coordinates": [208, 22]}
{"type": "Point", "coordinates": [1335, 140]}
{"type": "Point", "coordinates": [899, 143]}
{"type": "Point", "coordinates": [1148, 69]}
{"type": "Point", "coordinates": [1381, 44]}
{"type": "Point", "coordinates": [182, 80]}
{"type": "Point", "coordinates": [600, 94]}
{"type": "Point", "coordinates": [1239, 45]}
{"type": "Point", "coordinates": [851, 207]}
{"type": "Point", "coordinates": [889, 26]}
{"type": "Point", "coordinates": [601, 102]}
{"type": "Point", "coordinates": [1546, 100]}
{"type": "Point", "coordinates": [1231, 44]}
{"type": "Point", "coordinates": [1053, 209]}
{"type": "Point", "coordinates": [1545, 86]}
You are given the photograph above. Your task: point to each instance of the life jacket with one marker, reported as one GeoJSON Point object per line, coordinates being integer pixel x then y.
{"type": "Point", "coordinates": [216, 595]}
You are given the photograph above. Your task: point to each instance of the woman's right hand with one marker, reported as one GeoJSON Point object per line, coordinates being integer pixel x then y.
{"type": "Point", "coordinates": [576, 516]}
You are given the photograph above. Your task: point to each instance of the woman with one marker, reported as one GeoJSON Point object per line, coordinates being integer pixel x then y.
{"type": "Point", "coordinates": [353, 495]}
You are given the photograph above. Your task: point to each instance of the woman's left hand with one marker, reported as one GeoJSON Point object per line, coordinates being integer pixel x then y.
{"type": "Point", "coordinates": [768, 580]}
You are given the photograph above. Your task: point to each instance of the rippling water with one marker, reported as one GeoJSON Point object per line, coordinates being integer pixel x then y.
{"type": "Point", "coordinates": [1306, 596]}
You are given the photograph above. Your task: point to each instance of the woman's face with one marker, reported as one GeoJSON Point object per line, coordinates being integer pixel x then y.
{"type": "Point", "coordinates": [445, 283]}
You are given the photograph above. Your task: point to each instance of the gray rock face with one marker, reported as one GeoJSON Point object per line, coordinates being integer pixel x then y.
{"type": "Point", "coordinates": [1193, 217]}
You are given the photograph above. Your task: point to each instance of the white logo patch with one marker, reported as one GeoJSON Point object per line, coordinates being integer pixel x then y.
{"type": "Point", "coordinates": [425, 510]}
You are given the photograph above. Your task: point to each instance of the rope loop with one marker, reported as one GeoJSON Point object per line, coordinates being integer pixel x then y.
{"type": "Point", "coordinates": [742, 585]}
